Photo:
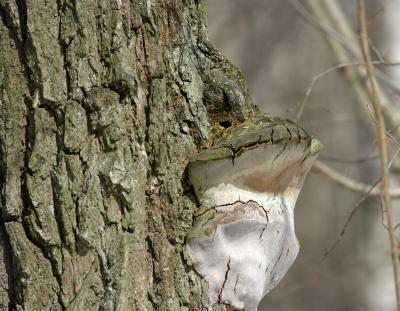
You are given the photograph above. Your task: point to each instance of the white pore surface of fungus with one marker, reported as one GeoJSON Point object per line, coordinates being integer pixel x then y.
{"type": "Point", "coordinates": [252, 243]}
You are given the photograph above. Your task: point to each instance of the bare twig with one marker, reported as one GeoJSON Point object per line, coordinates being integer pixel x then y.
{"type": "Point", "coordinates": [364, 159]}
{"type": "Point", "coordinates": [337, 26]}
{"type": "Point", "coordinates": [339, 35]}
{"type": "Point", "coordinates": [355, 208]}
{"type": "Point", "coordinates": [344, 181]}
{"type": "Point", "coordinates": [326, 72]}
{"type": "Point", "coordinates": [386, 132]}
{"type": "Point", "coordinates": [382, 143]}
{"type": "Point", "coordinates": [315, 22]}
{"type": "Point", "coordinates": [342, 53]}
{"type": "Point", "coordinates": [348, 220]}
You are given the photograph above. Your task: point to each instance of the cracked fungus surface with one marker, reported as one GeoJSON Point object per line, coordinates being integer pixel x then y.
{"type": "Point", "coordinates": [243, 239]}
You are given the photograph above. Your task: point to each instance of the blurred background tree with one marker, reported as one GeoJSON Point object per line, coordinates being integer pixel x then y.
{"type": "Point", "coordinates": [281, 46]}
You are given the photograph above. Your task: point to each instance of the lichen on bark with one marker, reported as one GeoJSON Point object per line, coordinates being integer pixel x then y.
{"type": "Point", "coordinates": [102, 103]}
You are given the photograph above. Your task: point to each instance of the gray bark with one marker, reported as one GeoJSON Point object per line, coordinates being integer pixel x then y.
{"type": "Point", "coordinates": [101, 105]}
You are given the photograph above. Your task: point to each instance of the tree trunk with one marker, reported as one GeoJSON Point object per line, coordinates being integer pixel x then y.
{"type": "Point", "coordinates": [102, 104]}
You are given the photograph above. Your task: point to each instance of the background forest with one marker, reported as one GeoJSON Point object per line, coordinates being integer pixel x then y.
{"type": "Point", "coordinates": [281, 46]}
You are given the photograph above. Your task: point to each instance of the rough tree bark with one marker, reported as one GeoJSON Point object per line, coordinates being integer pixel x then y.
{"type": "Point", "coordinates": [102, 102]}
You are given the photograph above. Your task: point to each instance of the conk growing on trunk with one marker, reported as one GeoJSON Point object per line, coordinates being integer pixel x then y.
{"type": "Point", "coordinates": [243, 239]}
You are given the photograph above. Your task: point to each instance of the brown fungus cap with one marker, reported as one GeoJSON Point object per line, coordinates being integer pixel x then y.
{"type": "Point", "coordinates": [264, 153]}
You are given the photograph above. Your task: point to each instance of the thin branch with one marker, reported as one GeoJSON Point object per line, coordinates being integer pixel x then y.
{"type": "Point", "coordinates": [326, 72]}
{"type": "Point", "coordinates": [355, 208]}
{"type": "Point", "coordinates": [331, 13]}
{"type": "Point", "coordinates": [348, 220]}
{"type": "Point", "coordinates": [351, 184]}
{"type": "Point", "coordinates": [382, 143]}
{"type": "Point", "coordinates": [342, 36]}
{"type": "Point", "coordinates": [315, 22]}
{"type": "Point", "coordinates": [350, 161]}
{"type": "Point", "coordinates": [390, 135]}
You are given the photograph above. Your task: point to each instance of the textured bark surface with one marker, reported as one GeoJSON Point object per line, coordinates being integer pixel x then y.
{"type": "Point", "coordinates": [102, 102]}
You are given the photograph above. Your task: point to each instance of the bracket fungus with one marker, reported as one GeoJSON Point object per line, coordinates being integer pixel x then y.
{"type": "Point", "coordinates": [243, 239]}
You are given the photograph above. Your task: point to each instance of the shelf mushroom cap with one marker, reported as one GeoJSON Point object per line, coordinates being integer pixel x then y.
{"type": "Point", "coordinates": [243, 240]}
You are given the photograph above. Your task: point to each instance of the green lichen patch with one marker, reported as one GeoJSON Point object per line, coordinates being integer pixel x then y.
{"type": "Point", "coordinates": [315, 147]}
{"type": "Point", "coordinates": [213, 154]}
{"type": "Point", "coordinates": [89, 213]}
{"type": "Point", "coordinates": [38, 288]}
{"type": "Point", "coordinates": [64, 204]}
{"type": "Point", "coordinates": [44, 53]}
{"type": "Point", "coordinates": [44, 151]}
{"type": "Point", "coordinates": [203, 225]}
{"type": "Point", "coordinates": [40, 219]}
{"type": "Point", "coordinates": [13, 92]}
{"type": "Point", "coordinates": [75, 126]}
{"type": "Point", "coordinates": [106, 117]}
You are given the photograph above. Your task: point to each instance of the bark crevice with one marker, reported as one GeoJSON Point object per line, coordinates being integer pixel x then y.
{"type": "Point", "coordinates": [116, 99]}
